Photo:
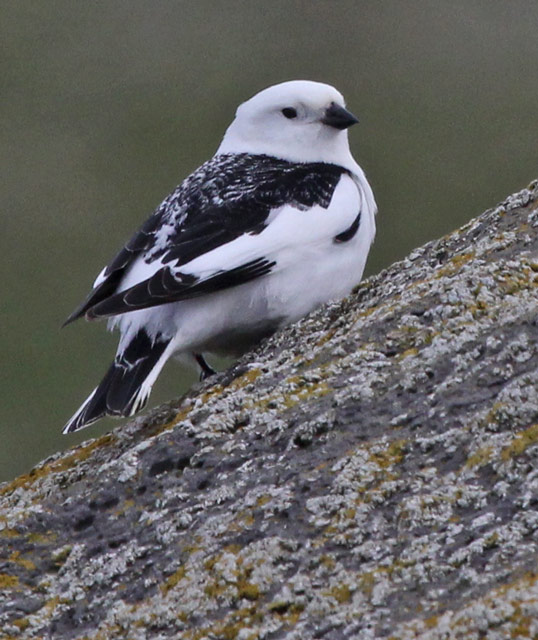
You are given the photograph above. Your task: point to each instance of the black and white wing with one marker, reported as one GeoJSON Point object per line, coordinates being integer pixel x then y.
{"type": "Point", "coordinates": [212, 232]}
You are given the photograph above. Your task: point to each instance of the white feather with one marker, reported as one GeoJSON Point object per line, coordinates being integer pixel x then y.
{"type": "Point", "coordinates": [290, 237]}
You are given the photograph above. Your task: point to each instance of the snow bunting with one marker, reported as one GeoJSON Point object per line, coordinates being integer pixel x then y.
{"type": "Point", "coordinates": [278, 222]}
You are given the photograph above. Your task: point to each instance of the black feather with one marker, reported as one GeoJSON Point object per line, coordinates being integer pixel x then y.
{"type": "Point", "coordinates": [228, 196]}
{"type": "Point", "coordinates": [350, 232]}
{"type": "Point", "coordinates": [163, 288]}
{"type": "Point", "coordinates": [117, 268]}
{"type": "Point", "coordinates": [118, 389]}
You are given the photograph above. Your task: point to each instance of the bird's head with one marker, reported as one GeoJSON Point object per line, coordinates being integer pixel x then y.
{"type": "Point", "coordinates": [301, 121]}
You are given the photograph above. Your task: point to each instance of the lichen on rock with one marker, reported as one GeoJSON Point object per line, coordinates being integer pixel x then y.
{"type": "Point", "coordinates": [369, 472]}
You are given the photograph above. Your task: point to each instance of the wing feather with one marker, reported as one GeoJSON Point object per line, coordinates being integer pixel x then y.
{"type": "Point", "coordinates": [184, 249]}
{"type": "Point", "coordinates": [164, 287]}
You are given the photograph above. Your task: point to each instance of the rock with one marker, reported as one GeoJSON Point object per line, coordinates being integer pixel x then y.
{"type": "Point", "coordinates": [370, 472]}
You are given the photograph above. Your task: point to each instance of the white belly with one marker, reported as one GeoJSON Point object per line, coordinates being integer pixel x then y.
{"type": "Point", "coordinates": [232, 321]}
{"type": "Point", "coordinates": [311, 269]}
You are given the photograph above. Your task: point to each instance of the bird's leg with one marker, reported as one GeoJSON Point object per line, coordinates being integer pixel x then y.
{"type": "Point", "coordinates": [205, 369]}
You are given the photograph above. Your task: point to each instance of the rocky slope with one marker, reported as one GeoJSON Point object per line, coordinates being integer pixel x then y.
{"type": "Point", "coordinates": [371, 472]}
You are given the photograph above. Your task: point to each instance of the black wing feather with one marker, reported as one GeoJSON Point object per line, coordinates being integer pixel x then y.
{"type": "Point", "coordinates": [228, 196]}
{"type": "Point", "coordinates": [115, 271]}
{"type": "Point", "coordinates": [163, 288]}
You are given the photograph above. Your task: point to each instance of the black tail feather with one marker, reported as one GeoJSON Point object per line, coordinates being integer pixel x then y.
{"type": "Point", "coordinates": [122, 392]}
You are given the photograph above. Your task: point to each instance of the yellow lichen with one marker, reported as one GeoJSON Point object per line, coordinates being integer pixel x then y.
{"type": "Point", "coordinates": [431, 622]}
{"type": "Point", "coordinates": [51, 604]}
{"type": "Point", "coordinates": [454, 264]}
{"type": "Point", "coordinates": [492, 540]}
{"type": "Point", "coordinates": [216, 390]}
{"type": "Point", "coordinates": [364, 313]}
{"type": "Point", "coordinates": [328, 562]}
{"type": "Point", "coordinates": [21, 623]}
{"type": "Point", "coordinates": [308, 392]}
{"type": "Point", "coordinates": [479, 458]}
{"type": "Point", "coordinates": [263, 500]}
{"type": "Point", "coordinates": [246, 517]}
{"type": "Point", "coordinates": [341, 594]}
{"type": "Point", "coordinates": [413, 351]}
{"type": "Point", "coordinates": [288, 611]}
{"type": "Point", "coordinates": [393, 454]}
{"type": "Point", "coordinates": [289, 399]}
{"type": "Point", "coordinates": [521, 628]}
{"type": "Point", "coordinates": [367, 582]}
{"type": "Point", "coordinates": [493, 414]}
{"type": "Point", "coordinates": [214, 589]}
{"type": "Point", "coordinates": [173, 579]}
{"type": "Point", "coordinates": [179, 417]}
{"type": "Point", "coordinates": [78, 455]}
{"type": "Point", "coordinates": [229, 628]}
{"type": "Point", "coordinates": [7, 581]}
{"type": "Point", "coordinates": [326, 337]}
{"type": "Point", "coordinates": [294, 613]}
{"type": "Point", "coordinates": [248, 590]}
{"type": "Point", "coordinates": [232, 548]}
{"type": "Point", "coordinates": [279, 606]}
{"type": "Point", "coordinates": [247, 378]}
{"type": "Point", "coordinates": [521, 441]}
{"type": "Point", "coordinates": [210, 563]}
{"type": "Point", "coordinates": [23, 562]}
{"type": "Point", "coordinates": [42, 538]}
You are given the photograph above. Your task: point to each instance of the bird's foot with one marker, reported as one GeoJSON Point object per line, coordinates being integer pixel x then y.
{"type": "Point", "coordinates": [205, 370]}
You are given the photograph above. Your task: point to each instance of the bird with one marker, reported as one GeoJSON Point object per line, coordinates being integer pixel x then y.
{"type": "Point", "coordinates": [278, 222]}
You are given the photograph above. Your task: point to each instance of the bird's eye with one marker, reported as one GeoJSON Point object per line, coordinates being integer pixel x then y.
{"type": "Point", "coordinates": [289, 112]}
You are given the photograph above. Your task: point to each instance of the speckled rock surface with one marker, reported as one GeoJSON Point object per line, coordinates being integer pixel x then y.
{"type": "Point", "coordinates": [371, 472]}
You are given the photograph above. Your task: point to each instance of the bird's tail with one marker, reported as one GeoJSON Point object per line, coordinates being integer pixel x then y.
{"type": "Point", "coordinates": [127, 384]}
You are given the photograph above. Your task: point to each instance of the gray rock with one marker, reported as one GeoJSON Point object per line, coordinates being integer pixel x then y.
{"type": "Point", "coordinates": [370, 472]}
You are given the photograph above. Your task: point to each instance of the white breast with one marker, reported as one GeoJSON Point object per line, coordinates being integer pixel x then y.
{"type": "Point", "coordinates": [311, 269]}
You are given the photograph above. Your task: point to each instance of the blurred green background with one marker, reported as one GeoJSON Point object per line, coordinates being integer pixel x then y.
{"type": "Point", "coordinates": [106, 106]}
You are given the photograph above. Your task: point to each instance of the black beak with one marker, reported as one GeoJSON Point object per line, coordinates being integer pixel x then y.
{"type": "Point", "coordinates": [338, 117]}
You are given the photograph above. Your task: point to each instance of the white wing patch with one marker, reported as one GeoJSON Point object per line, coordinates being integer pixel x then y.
{"type": "Point", "coordinates": [100, 278]}
{"type": "Point", "coordinates": [290, 233]}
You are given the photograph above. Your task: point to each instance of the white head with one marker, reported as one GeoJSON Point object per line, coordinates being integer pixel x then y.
{"type": "Point", "coordinates": [301, 121]}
